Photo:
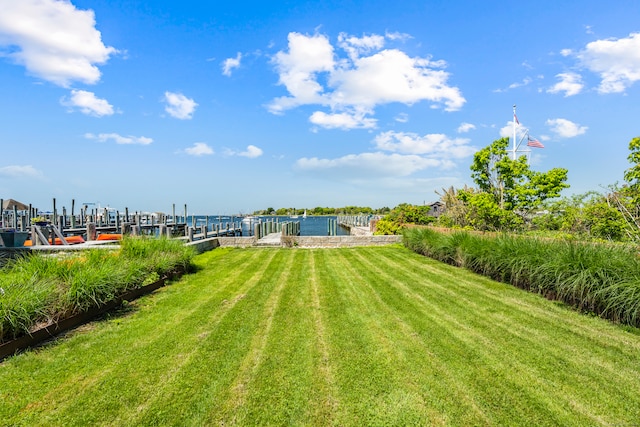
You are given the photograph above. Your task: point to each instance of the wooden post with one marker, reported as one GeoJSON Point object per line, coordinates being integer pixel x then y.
{"type": "Point", "coordinates": [92, 232]}
{"type": "Point", "coordinates": [55, 212]}
{"type": "Point", "coordinates": [190, 233]}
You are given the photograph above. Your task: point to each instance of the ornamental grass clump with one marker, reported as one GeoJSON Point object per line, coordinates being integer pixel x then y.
{"type": "Point", "coordinates": [599, 278]}
{"type": "Point", "coordinates": [43, 288]}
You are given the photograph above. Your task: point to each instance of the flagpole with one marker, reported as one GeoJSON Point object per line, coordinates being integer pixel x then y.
{"type": "Point", "coordinates": [514, 132]}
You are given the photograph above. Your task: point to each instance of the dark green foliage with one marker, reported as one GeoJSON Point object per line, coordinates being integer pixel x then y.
{"type": "Point", "coordinates": [600, 278]}
{"type": "Point", "coordinates": [632, 175]}
{"type": "Point", "coordinates": [402, 215]}
{"type": "Point", "coordinates": [319, 210]}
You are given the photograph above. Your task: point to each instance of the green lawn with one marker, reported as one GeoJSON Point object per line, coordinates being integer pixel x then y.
{"type": "Point", "coordinates": [365, 336]}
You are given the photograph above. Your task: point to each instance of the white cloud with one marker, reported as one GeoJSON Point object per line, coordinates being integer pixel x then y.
{"type": "Point", "coordinates": [230, 64]}
{"type": "Point", "coordinates": [366, 77]}
{"type": "Point", "coordinates": [119, 139]}
{"type": "Point", "coordinates": [565, 128]}
{"type": "Point", "coordinates": [251, 152]}
{"type": "Point", "coordinates": [617, 61]}
{"type": "Point", "coordinates": [88, 103]}
{"type": "Point", "coordinates": [398, 36]}
{"type": "Point", "coordinates": [199, 149]}
{"type": "Point", "coordinates": [342, 120]}
{"type": "Point", "coordinates": [570, 84]}
{"type": "Point", "coordinates": [398, 155]}
{"type": "Point", "coordinates": [526, 81]}
{"type": "Point", "coordinates": [369, 165]}
{"type": "Point", "coordinates": [307, 56]}
{"type": "Point", "coordinates": [507, 130]}
{"type": "Point", "coordinates": [465, 127]}
{"type": "Point", "coordinates": [356, 46]}
{"type": "Point", "coordinates": [179, 106]}
{"type": "Point", "coordinates": [16, 171]}
{"type": "Point", "coordinates": [434, 145]}
{"type": "Point", "coordinates": [53, 40]}
{"type": "Point", "coordinates": [402, 118]}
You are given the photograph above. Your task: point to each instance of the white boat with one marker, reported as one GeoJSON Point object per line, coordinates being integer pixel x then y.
{"type": "Point", "coordinates": [304, 215]}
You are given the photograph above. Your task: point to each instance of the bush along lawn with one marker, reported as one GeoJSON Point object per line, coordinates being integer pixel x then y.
{"type": "Point", "coordinates": [599, 278]}
{"type": "Point", "coordinates": [39, 289]}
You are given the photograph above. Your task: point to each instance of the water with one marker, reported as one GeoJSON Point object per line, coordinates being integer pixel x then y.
{"type": "Point", "coordinates": [309, 226]}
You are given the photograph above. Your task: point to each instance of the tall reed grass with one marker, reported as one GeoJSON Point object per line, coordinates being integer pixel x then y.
{"type": "Point", "coordinates": [600, 278]}
{"type": "Point", "coordinates": [42, 288]}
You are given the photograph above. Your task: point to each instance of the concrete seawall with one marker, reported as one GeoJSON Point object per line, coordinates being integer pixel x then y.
{"type": "Point", "coordinates": [341, 241]}
{"type": "Point", "coordinates": [296, 242]}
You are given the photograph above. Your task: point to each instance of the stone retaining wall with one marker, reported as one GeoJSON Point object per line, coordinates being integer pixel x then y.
{"type": "Point", "coordinates": [297, 242]}
{"type": "Point", "coordinates": [238, 242]}
{"type": "Point", "coordinates": [360, 231]}
{"type": "Point", "coordinates": [343, 241]}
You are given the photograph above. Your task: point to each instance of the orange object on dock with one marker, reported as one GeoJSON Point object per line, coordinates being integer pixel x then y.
{"type": "Point", "coordinates": [72, 240]}
{"type": "Point", "coordinates": [107, 236]}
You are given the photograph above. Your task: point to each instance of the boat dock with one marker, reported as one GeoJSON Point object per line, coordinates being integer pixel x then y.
{"type": "Point", "coordinates": [22, 225]}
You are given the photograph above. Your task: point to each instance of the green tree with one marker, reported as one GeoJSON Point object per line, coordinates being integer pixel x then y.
{"type": "Point", "coordinates": [512, 185]}
{"type": "Point", "coordinates": [632, 175]}
{"type": "Point", "coordinates": [402, 215]}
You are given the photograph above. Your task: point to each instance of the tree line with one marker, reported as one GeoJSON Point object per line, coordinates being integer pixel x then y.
{"type": "Point", "coordinates": [319, 210]}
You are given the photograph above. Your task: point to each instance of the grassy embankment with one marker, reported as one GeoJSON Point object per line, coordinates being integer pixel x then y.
{"type": "Point", "coordinates": [38, 289]}
{"type": "Point", "coordinates": [600, 278]}
{"type": "Point", "coordinates": [365, 336]}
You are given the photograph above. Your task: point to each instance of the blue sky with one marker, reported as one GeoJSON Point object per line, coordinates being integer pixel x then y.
{"type": "Point", "coordinates": [231, 107]}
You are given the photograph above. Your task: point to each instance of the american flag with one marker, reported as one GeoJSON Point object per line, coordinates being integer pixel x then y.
{"type": "Point", "coordinates": [532, 142]}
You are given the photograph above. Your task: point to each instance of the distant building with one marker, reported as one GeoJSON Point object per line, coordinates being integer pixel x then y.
{"type": "Point", "coordinates": [436, 209]}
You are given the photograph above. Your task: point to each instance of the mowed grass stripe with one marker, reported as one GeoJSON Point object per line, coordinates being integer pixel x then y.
{"type": "Point", "coordinates": [372, 376]}
{"type": "Point", "coordinates": [442, 392]}
{"type": "Point", "coordinates": [324, 379]}
{"type": "Point", "coordinates": [364, 336]}
{"type": "Point", "coordinates": [281, 391]}
{"type": "Point", "coordinates": [206, 381]}
{"type": "Point", "coordinates": [544, 365]}
{"type": "Point", "coordinates": [245, 281]}
{"type": "Point", "coordinates": [440, 338]}
{"type": "Point", "coordinates": [235, 409]}
{"type": "Point", "coordinates": [466, 344]}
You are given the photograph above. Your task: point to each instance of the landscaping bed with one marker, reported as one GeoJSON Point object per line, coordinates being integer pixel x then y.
{"type": "Point", "coordinates": [40, 292]}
